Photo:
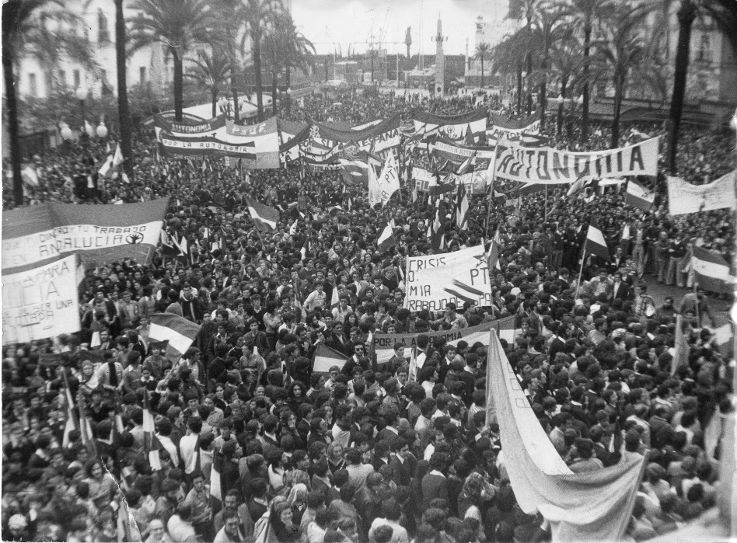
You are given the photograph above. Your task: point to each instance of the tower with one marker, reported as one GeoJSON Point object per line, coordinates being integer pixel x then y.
{"type": "Point", "coordinates": [439, 60]}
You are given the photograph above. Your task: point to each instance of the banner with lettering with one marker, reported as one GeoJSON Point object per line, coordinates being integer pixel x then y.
{"type": "Point", "coordinates": [683, 197]}
{"type": "Point", "coordinates": [500, 130]}
{"type": "Point", "coordinates": [189, 129]}
{"type": "Point", "coordinates": [453, 127]}
{"type": "Point", "coordinates": [459, 153]}
{"type": "Point", "coordinates": [384, 343]}
{"type": "Point", "coordinates": [41, 302]}
{"type": "Point", "coordinates": [100, 234]}
{"type": "Point", "coordinates": [554, 166]}
{"type": "Point", "coordinates": [436, 280]}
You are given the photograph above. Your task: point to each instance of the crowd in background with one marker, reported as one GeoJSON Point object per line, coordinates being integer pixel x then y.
{"type": "Point", "coordinates": [362, 453]}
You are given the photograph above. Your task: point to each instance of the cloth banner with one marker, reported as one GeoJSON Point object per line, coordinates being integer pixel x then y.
{"type": "Point", "coordinates": [100, 234]}
{"type": "Point", "coordinates": [512, 130]}
{"type": "Point", "coordinates": [384, 343]}
{"type": "Point", "coordinates": [458, 277]}
{"type": "Point", "coordinates": [41, 302]}
{"type": "Point", "coordinates": [553, 166]}
{"type": "Point", "coordinates": [683, 197]}
{"type": "Point", "coordinates": [458, 153]}
{"type": "Point", "coordinates": [453, 127]}
{"type": "Point", "coordinates": [325, 141]}
{"type": "Point", "coordinates": [189, 129]}
{"type": "Point", "coordinates": [588, 506]}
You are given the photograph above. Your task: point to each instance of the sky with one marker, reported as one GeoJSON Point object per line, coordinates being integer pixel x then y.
{"type": "Point", "coordinates": [344, 22]}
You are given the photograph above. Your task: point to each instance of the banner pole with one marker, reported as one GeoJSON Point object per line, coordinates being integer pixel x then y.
{"type": "Point", "coordinates": [580, 272]}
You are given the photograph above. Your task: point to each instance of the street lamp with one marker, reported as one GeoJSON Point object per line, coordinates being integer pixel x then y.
{"type": "Point", "coordinates": [102, 130]}
{"type": "Point", "coordinates": [289, 99]}
{"type": "Point", "coordinates": [81, 94]}
{"type": "Point", "coordinates": [65, 132]}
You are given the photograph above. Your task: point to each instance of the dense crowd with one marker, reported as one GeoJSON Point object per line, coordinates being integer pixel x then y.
{"type": "Point", "coordinates": [361, 453]}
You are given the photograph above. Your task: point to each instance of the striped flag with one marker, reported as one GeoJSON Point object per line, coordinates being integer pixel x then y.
{"type": "Point", "coordinates": [150, 443]}
{"type": "Point", "coordinates": [178, 331]}
{"type": "Point", "coordinates": [354, 171]}
{"type": "Point", "coordinates": [638, 196]}
{"type": "Point", "coordinates": [412, 373]}
{"type": "Point", "coordinates": [437, 227]}
{"type": "Point", "coordinates": [467, 165]}
{"type": "Point", "coordinates": [492, 257]}
{"type": "Point", "coordinates": [596, 244]}
{"type": "Point", "coordinates": [334, 298]}
{"type": "Point", "coordinates": [326, 358]}
{"type": "Point", "coordinates": [168, 247]}
{"type": "Point", "coordinates": [712, 271]}
{"type": "Point", "coordinates": [386, 239]}
{"type": "Point", "coordinates": [77, 421]}
{"type": "Point", "coordinates": [265, 217]}
{"type": "Point", "coordinates": [461, 206]}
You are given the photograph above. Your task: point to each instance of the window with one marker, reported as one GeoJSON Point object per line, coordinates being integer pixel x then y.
{"type": "Point", "coordinates": [103, 76]}
{"type": "Point", "coordinates": [62, 79]}
{"type": "Point", "coordinates": [32, 90]}
{"type": "Point", "coordinates": [142, 75]}
{"type": "Point", "coordinates": [103, 36]}
{"type": "Point", "coordinates": [77, 79]}
{"type": "Point", "coordinates": [703, 53]}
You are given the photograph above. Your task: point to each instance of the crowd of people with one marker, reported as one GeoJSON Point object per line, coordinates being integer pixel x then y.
{"type": "Point", "coordinates": [363, 452]}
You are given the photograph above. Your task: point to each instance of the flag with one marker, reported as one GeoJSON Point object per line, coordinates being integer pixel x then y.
{"type": "Point", "coordinates": [712, 271]}
{"type": "Point", "coordinates": [77, 420]}
{"type": "Point", "coordinates": [130, 527]}
{"type": "Point", "coordinates": [386, 239]}
{"type": "Point", "coordinates": [293, 228]}
{"type": "Point", "coordinates": [168, 247]}
{"type": "Point", "coordinates": [374, 190]}
{"type": "Point", "coordinates": [265, 217]}
{"type": "Point", "coordinates": [150, 443]}
{"type": "Point", "coordinates": [118, 158]}
{"type": "Point", "coordinates": [412, 373]}
{"type": "Point", "coordinates": [183, 247]}
{"type": "Point", "coordinates": [595, 244]}
{"type": "Point", "coordinates": [437, 227]}
{"type": "Point", "coordinates": [354, 171]}
{"type": "Point", "coordinates": [638, 196]}
{"type": "Point", "coordinates": [326, 358]}
{"type": "Point", "coordinates": [178, 331]}
{"type": "Point", "coordinates": [334, 298]}
{"type": "Point", "coordinates": [467, 165]}
{"type": "Point", "coordinates": [576, 187]}
{"type": "Point", "coordinates": [492, 257]}
{"type": "Point", "coordinates": [461, 206]}
{"type": "Point", "coordinates": [389, 178]}
{"type": "Point", "coordinates": [681, 347]}
{"type": "Point", "coordinates": [588, 506]}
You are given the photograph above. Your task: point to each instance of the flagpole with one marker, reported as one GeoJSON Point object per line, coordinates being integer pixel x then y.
{"type": "Point", "coordinates": [580, 272]}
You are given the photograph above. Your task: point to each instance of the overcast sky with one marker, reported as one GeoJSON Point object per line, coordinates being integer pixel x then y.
{"type": "Point", "coordinates": [326, 22]}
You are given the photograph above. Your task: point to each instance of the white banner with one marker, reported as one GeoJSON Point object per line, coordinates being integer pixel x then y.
{"type": "Point", "coordinates": [548, 165]}
{"type": "Point", "coordinates": [683, 197]}
{"type": "Point", "coordinates": [451, 131]}
{"type": "Point", "coordinates": [41, 303]}
{"type": "Point", "coordinates": [436, 280]}
{"type": "Point", "coordinates": [423, 178]}
{"type": "Point", "coordinates": [389, 178]}
{"type": "Point", "coordinates": [512, 134]}
{"type": "Point", "coordinates": [39, 246]}
{"type": "Point", "coordinates": [454, 152]}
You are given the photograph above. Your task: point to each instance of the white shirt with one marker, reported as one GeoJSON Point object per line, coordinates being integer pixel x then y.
{"type": "Point", "coordinates": [187, 446]}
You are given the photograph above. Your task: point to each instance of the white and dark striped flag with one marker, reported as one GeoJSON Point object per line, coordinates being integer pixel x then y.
{"type": "Point", "coordinates": [596, 244]}
{"type": "Point", "coordinates": [386, 238]}
{"type": "Point", "coordinates": [712, 271]}
{"type": "Point", "coordinates": [178, 331]}
{"type": "Point", "coordinates": [638, 196]}
{"type": "Point", "coordinates": [264, 217]}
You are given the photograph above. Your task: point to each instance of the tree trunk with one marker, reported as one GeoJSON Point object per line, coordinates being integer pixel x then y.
{"type": "Point", "coordinates": [585, 105]}
{"type": "Point", "coordinates": [274, 91]}
{"type": "Point", "coordinates": [686, 16]}
{"type": "Point", "coordinates": [529, 89]}
{"type": "Point", "coordinates": [124, 118]}
{"type": "Point", "coordinates": [482, 72]}
{"type": "Point", "coordinates": [256, 48]}
{"type": "Point", "coordinates": [519, 89]}
{"type": "Point", "coordinates": [543, 92]}
{"type": "Point", "coordinates": [178, 85]}
{"type": "Point", "coordinates": [234, 92]}
{"type": "Point", "coordinates": [563, 84]}
{"type": "Point", "coordinates": [618, 95]}
{"type": "Point", "coordinates": [214, 98]}
{"type": "Point", "coordinates": [12, 104]}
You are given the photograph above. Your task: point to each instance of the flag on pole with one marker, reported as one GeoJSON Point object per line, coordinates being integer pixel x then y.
{"type": "Point", "coordinates": [596, 244]}
{"type": "Point", "coordinates": [374, 190]}
{"type": "Point", "coordinates": [264, 217]}
{"type": "Point", "coordinates": [437, 227]}
{"type": "Point", "coordinates": [183, 247]}
{"type": "Point", "coordinates": [467, 165]}
{"type": "Point", "coordinates": [178, 331]}
{"type": "Point", "coordinates": [326, 358]}
{"type": "Point", "coordinates": [386, 239]}
{"type": "Point", "coordinates": [388, 182]}
{"type": "Point", "coordinates": [118, 158]}
{"type": "Point", "coordinates": [711, 271]}
{"type": "Point", "coordinates": [107, 167]}
{"type": "Point", "coordinates": [461, 206]}
{"type": "Point", "coordinates": [334, 298]}
{"type": "Point", "coordinates": [354, 172]}
{"type": "Point", "coordinates": [168, 246]}
{"type": "Point", "coordinates": [293, 228]}
{"type": "Point", "coordinates": [412, 373]}
{"type": "Point", "coordinates": [492, 257]}
{"type": "Point", "coordinates": [638, 196]}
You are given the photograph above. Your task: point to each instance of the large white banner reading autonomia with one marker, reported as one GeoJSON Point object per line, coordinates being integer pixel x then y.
{"type": "Point", "coordinates": [434, 281]}
{"type": "Point", "coordinates": [41, 302]}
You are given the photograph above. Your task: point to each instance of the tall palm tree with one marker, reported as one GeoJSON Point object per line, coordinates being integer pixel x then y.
{"type": "Point", "coordinates": [566, 60]}
{"type": "Point", "coordinates": [124, 120]}
{"type": "Point", "coordinates": [626, 55]}
{"type": "Point", "coordinates": [548, 28]}
{"type": "Point", "coordinates": [210, 70]}
{"type": "Point", "coordinates": [259, 14]}
{"type": "Point", "coordinates": [19, 20]}
{"type": "Point", "coordinates": [509, 57]}
{"type": "Point", "coordinates": [179, 25]}
{"type": "Point", "coordinates": [584, 14]}
{"type": "Point", "coordinates": [300, 50]}
{"type": "Point", "coordinates": [483, 51]}
{"type": "Point", "coordinates": [724, 13]}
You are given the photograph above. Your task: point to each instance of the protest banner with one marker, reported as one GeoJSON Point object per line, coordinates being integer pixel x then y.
{"type": "Point", "coordinates": [683, 197]}
{"type": "Point", "coordinates": [384, 343]}
{"type": "Point", "coordinates": [511, 130]}
{"type": "Point", "coordinates": [41, 302]}
{"type": "Point", "coordinates": [326, 141]}
{"type": "Point", "coordinates": [454, 127]}
{"type": "Point", "coordinates": [99, 233]}
{"type": "Point", "coordinates": [190, 129]}
{"type": "Point", "coordinates": [436, 280]}
{"type": "Point", "coordinates": [458, 153]}
{"type": "Point", "coordinates": [586, 506]}
{"type": "Point", "coordinates": [553, 166]}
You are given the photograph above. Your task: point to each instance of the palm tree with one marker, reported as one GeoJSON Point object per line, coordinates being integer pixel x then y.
{"type": "Point", "coordinates": [548, 28]}
{"type": "Point", "coordinates": [210, 71]}
{"type": "Point", "coordinates": [20, 20]}
{"type": "Point", "coordinates": [584, 13]}
{"type": "Point", "coordinates": [566, 60]}
{"type": "Point", "coordinates": [509, 57]}
{"type": "Point", "coordinates": [300, 50]}
{"type": "Point", "coordinates": [625, 55]}
{"type": "Point", "coordinates": [724, 13]}
{"type": "Point", "coordinates": [483, 50]}
{"type": "Point", "coordinates": [259, 14]}
{"type": "Point", "coordinates": [124, 119]}
{"type": "Point", "coordinates": [178, 24]}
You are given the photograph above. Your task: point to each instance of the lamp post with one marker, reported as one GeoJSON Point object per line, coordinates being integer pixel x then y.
{"type": "Point", "coordinates": [65, 132]}
{"type": "Point", "coordinates": [289, 99]}
{"type": "Point", "coordinates": [101, 130]}
{"type": "Point", "coordinates": [81, 94]}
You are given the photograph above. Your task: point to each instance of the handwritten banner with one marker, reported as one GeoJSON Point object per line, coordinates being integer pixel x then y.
{"type": "Point", "coordinates": [683, 197]}
{"type": "Point", "coordinates": [183, 129]}
{"type": "Point", "coordinates": [41, 303]}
